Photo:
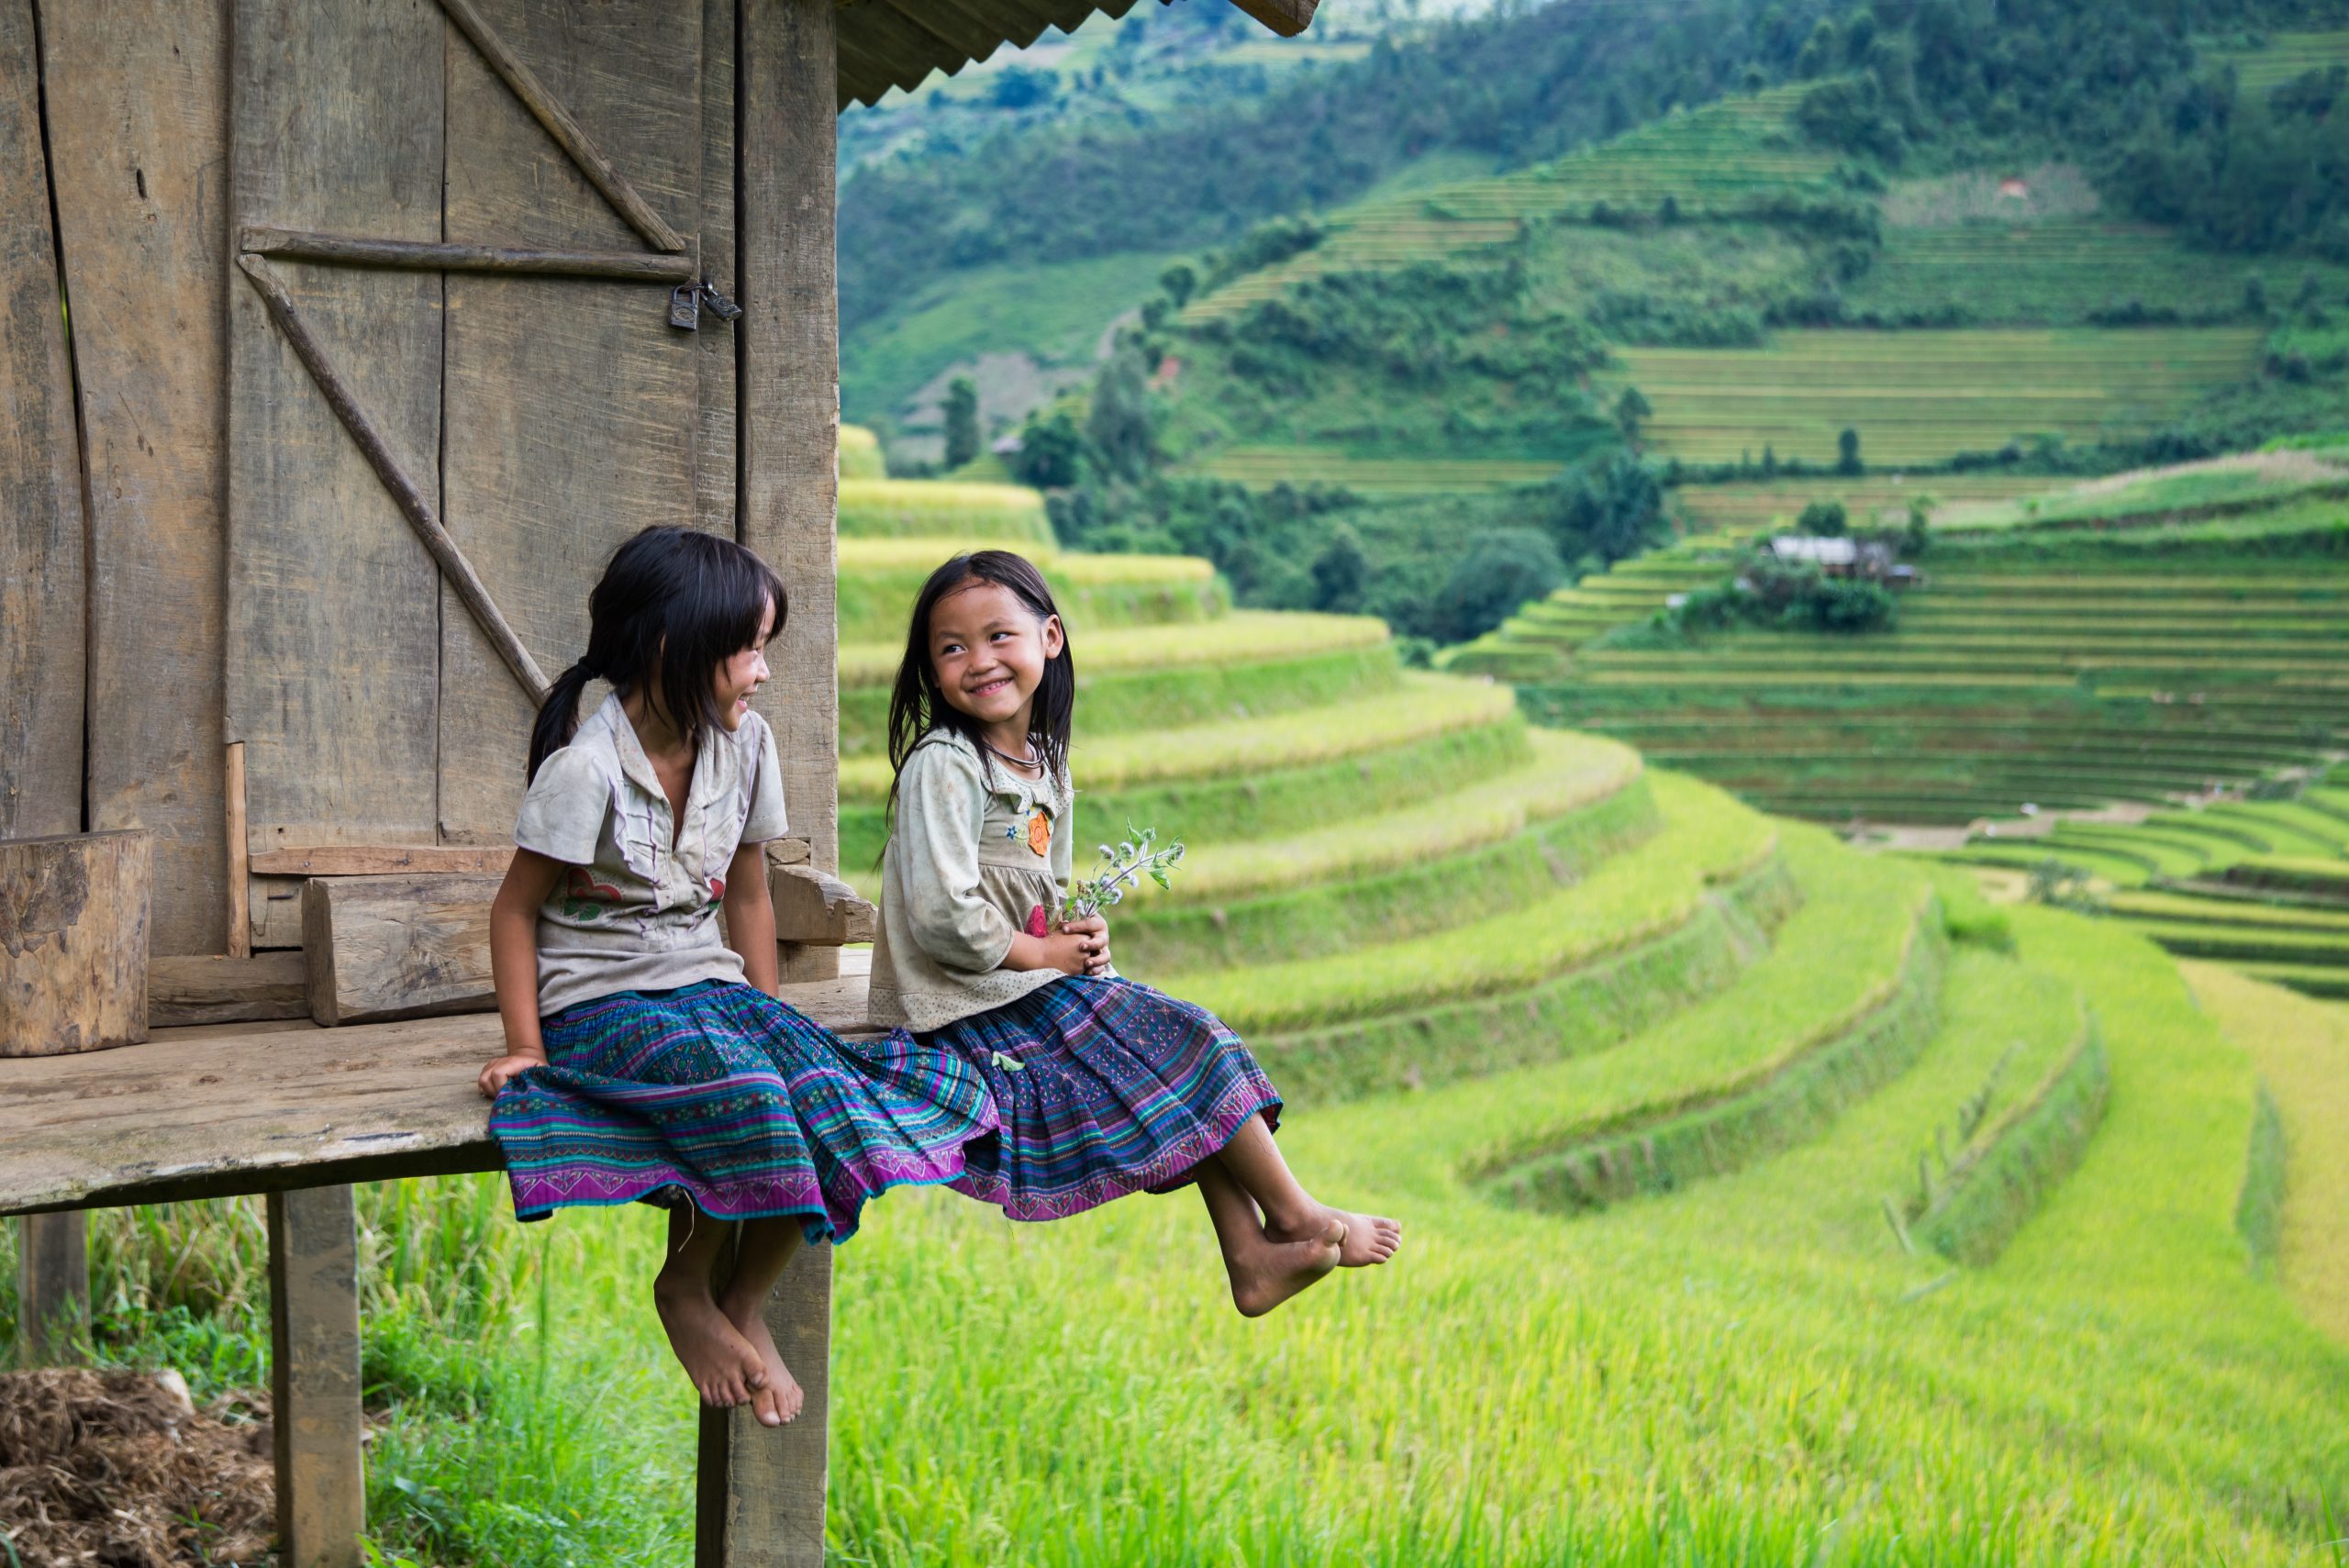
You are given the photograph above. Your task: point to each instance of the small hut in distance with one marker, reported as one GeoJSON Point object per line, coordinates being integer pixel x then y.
{"type": "Point", "coordinates": [388, 320]}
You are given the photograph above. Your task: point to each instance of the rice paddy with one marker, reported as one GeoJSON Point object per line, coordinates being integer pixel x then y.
{"type": "Point", "coordinates": [1927, 396]}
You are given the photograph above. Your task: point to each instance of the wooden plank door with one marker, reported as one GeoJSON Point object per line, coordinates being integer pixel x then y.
{"type": "Point", "coordinates": [434, 449]}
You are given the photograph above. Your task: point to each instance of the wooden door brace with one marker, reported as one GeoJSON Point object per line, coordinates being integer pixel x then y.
{"type": "Point", "coordinates": [405, 490]}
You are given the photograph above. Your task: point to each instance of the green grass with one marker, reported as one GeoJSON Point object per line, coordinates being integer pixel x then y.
{"type": "Point", "coordinates": [1008, 515]}
{"type": "Point", "coordinates": [1924, 396]}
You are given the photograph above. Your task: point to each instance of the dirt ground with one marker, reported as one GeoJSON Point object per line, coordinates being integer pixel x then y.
{"type": "Point", "coordinates": [120, 1470]}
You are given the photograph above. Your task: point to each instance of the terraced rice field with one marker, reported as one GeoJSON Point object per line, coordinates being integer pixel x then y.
{"type": "Point", "coordinates": [1732, 1161]}
{"type": "Point", "coordinates": [2283, 56]}
{"type": "Point", "coordinates": [1262, 467]}
{"type": "Point", "coordinates": [2054, 270]}
{"type": "Point", "coordinates": [1744, 508]}
{"type": "Point", "coordinates": [1926, 396]}
{"type": "Point", "coordinates": [1727, 157]}
{"type": "Point", "coordinates": [907, 508]}
{"type": "Point", "coordinates": [2262, 886]}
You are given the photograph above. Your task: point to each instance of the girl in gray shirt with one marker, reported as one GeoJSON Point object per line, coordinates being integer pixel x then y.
{"type": "Point", "coordinates": [1101, 1086]}
{"type": "Point", "coordinates": [645, 1059]}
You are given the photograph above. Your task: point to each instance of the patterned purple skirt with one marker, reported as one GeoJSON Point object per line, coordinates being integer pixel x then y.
{"type": "Point", "coordinates": [718, 1093]}
{"type": "Point", "coordinates": [1101, 1088]}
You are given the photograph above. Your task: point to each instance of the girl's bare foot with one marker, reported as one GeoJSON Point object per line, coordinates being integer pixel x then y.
{"type": "Point", "coordinates": [1266, 1272]}
{"type": "Point", "coordinates": [779, 1398]}
{"type": "Point", "coordinates": [726, 1370]}
{"type": "Point", "coordinates": [1370, 1239]}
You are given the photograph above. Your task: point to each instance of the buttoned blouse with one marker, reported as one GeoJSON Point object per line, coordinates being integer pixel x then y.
{"type": "Point", "coordinates": [975, 849]}
{"type": "Point", "coordinates": [637, 907]}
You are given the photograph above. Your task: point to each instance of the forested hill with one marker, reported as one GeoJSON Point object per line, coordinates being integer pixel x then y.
{"type": "Point", "coordinates": [1509, 89]}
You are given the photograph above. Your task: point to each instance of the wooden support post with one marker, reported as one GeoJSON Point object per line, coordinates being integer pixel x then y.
{"type": "Point", "coordinates": [313, 1376]}
{"type": "Point", "coordinates": [760, 1498]}
{"type": "Point", "coordinates": [52, 1287]}
{"type": "Point", "coordinates": [763, 1492]}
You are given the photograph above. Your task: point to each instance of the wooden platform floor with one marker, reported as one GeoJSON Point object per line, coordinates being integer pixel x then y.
{"type": "Point", "coordinates": [225, 1108]}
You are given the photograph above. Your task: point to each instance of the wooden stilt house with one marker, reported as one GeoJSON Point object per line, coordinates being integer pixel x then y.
{"type": "Point", "coordinates": [343, 340]}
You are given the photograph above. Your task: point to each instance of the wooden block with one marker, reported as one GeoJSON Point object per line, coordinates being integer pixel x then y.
{"type": "Point", "coordinates": [314, 1377]}
{"type": "Point", "coordinates": [42, 598]}
{"type": "Point", "coordinates": [74, 922]}
{"type": "Point", "coordinates": [52, 1287]}
{"type": "Point", "coordinates": [815, 909]}
{"type": "Point", "coordinates": [788, 852]}
{"type": "Point", "coordinates": [210, 989]}
{"type": "Point", "coordinates": [136, 106]}
{"type": "Point", "coordinates": [799, 964]}
{"type": "Point", "coordinates": [397, 947]}
{"type": "Point", "coordinates": [760, 1500]}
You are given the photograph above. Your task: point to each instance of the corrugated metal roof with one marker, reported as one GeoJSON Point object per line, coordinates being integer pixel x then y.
{"type": "Point", "coordinates": [895, 43]}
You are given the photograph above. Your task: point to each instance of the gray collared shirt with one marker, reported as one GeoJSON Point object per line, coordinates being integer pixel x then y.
{"type": "Point", "coordinates": [637, 910]}
{"type": "Point", "coordinates": [968, 859]}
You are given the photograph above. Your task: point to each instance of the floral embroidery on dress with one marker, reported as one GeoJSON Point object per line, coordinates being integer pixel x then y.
{"type": "Point", "coordinates": [717, 889]}
{"type": "Point", "coordinates": [584, 898]}
{"type": "Point", "coordinates": [1040, 832]}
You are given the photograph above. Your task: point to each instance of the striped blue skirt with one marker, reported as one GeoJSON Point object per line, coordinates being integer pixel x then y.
{"type": "Point", "coordinates": [1101, 1087]}
{"type": "Point", "coordinates": [718, 1094]}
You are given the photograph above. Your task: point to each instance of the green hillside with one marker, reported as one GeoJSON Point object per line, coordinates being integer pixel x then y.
{"type": "Point", "coordinates": [1730, 1156]}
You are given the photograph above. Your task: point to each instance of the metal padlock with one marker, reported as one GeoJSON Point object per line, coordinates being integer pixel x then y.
{"type": "Point", "coordinates": [719, 305]}
{"type": "Point", "coordinates": [685, 307]}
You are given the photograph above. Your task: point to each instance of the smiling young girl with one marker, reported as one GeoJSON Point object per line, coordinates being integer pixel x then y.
{"type": "Point", "coordinates": [1101, 1086]}
{"type": "Point", "coordinates": [646, 1058]}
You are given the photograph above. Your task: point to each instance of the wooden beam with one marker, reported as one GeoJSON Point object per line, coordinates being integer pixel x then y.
{"type": "Point", "coordinates": [772, 1491]}
{"type": "Point", "coordinates": [1287, 18]}
{"type": "Point", "coordinates": [42, 597]}
{"type": "Point", "coordinates": [210, 989]}
{"type": "Point", "coordinates": [409, 946]}
{"type": "Point", "coordinates": [52, 1288]}
{"type": "Point", "coordinates": [314, 1377]}
{"type": "Point", "coordinates": [561, 125]}
{"type": "Point", "coordinates": [74, 921]}
{"type": "Point", "coordinates": [412, 501]}
{"type": "Point", "coordinates": [378, 860]}
{"type": "Point", "coordinates": [415, 255]}
{"type": "Point", "coordinates": [791, 387]}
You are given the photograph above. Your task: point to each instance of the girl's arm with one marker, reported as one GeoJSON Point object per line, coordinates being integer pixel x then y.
{"type": "Point", "coordinates": [750, 917]}
{"type": "Point", "coordinates": [514, 963]}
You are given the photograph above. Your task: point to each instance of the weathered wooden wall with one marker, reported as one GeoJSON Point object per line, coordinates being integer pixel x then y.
{"type": "Point", "coordinates": [138, 99]}
{"type": "Point", "coordinates": [42, 584]}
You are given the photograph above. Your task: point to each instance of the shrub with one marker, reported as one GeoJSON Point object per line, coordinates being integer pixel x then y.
{"type": "Point", "coordinates": [1826, 519]}
{"type": "Point", "coordinates": [1505, 569]}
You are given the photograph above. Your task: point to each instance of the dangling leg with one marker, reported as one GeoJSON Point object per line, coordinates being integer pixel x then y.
{"type": "Point", "coordinates": [1265, 1273]}
{"type": "Point", "coordinates": [723, 1366]}
{"type": "Point", "coordinates": [1292, 1214]}
{"type": "Point", "coordinates": [767, 1245]}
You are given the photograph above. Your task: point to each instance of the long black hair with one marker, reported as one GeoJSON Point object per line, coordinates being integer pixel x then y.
{"type": "Point", "coordinates": [675, 603]}
{"type": "Point", "coordinates": [916, 705]}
